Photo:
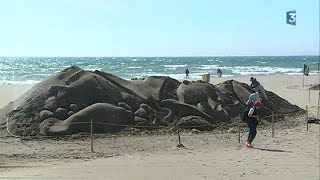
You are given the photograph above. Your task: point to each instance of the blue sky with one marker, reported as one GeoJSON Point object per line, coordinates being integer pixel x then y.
{"type": "Point", "coordinates": [157, 27]}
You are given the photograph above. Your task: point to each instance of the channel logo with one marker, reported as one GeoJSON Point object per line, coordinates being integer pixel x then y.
{"type": "Point", "coordinates": [291, 17]}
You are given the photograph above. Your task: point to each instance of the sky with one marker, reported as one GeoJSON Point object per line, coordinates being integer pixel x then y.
{"type": "Point", "coordinates": [111, 28]}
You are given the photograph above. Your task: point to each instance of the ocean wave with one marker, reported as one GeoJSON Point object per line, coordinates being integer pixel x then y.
{"type": "Point", "coordinates": [93, 69]}
{"type": "Point", "coordinates": [134, 67]}
{"type": "Point", "coordinates": [17, 70]}
{"type": "Point", "coordinates": [255, 70]}
{"type": "Point", "coordinates": [175, 65]}
{"type": "Point", "coordinates": [27, 82]}
{"type": "Point", "coordinates": [311, 73]}
{"type": "Point", "coordinates": [180, 76]}
{"type": "Point", "coordinates": [212, 67]}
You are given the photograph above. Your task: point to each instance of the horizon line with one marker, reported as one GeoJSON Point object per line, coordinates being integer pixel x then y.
{"type": "Point", "coordinates": [157, 56]}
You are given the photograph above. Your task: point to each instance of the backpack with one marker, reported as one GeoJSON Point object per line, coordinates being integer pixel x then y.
{"type": "Point", "coordinates": [245, 116]}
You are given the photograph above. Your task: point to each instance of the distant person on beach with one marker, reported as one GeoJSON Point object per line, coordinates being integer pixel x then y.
{"type": "Point", "coordinates": [219, 72]}
{"type": "Point", "coordinates": [187, 73]}
{"type": "Point", "coordinates": [252, 121]}
{"type": "Point", "coordinates": [258, 87]}
{"type": "Point", "coordinates": [254, 97]}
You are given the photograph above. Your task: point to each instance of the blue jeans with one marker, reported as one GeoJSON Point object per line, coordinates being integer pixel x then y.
{"type": "Point", "coordinates": [253, 129]}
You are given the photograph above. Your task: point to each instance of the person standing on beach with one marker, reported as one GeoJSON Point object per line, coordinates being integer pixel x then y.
{"type": "Point", "coordinates": [254, 97]}
{"type": "Point", "coordinates": [252, 121]}
{"type": "Point", "coordinates": [187, 73]}
{"type": "Point", "coordinates": [219, 72]}
{"type": "Point", "coordinates": [258, 87]}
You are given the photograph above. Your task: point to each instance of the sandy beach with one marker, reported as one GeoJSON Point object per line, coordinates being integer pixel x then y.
{"type": "Point", "coordinates": [11, 92]}
{"type": "Point", "coordinates": [293, 153]}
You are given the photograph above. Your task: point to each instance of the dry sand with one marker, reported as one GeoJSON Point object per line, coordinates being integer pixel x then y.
{"type": "Point", "coordinates": [293, 153]}
{"type": "Point", "coordinates": [9, 93]}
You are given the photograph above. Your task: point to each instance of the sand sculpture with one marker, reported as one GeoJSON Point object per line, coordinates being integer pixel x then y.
{"type": "Point", "coordinates": [66, 103]}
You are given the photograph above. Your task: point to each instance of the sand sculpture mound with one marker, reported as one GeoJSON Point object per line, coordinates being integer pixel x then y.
{"type": "Point", "coordinates": [66, 103]}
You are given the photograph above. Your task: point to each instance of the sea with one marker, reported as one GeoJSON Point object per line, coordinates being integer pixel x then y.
{"type": "Point", "coordinates": [31, 70]}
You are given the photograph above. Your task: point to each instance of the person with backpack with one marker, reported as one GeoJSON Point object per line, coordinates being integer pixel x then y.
{"type": "Point", "coordinates": [258, 87]}
{"type": "Point", "coordinates": [254, 97]}
{"type": "Point", "coordinates": [252, 121]}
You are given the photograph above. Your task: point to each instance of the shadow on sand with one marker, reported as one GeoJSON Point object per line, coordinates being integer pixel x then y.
{"type": "Point", "coordinates": [272, 150]}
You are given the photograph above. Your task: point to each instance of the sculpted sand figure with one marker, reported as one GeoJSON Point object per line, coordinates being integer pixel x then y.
{"type": "Point", "coordinates": [101, 113]}
{"type": "Point", "coordinates": [75, 96]}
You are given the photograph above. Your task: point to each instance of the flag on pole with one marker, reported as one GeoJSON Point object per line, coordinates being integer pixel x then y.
{"type": "Point", "coordinates": [306, 70]}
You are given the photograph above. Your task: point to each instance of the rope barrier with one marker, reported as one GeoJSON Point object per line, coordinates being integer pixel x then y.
{"type": "Point", "coordinates": [9, 130]}
{"type": "Point", "coordinates": [112, 124]}
{"type": "Point", "coordinates": [313, 106]}
{"type": "Point", "coordinates": [121, 125]}
{"type": "Point", "coordinates": [125, 125]}
{"type": "Point", "coordinates": [25, 123]}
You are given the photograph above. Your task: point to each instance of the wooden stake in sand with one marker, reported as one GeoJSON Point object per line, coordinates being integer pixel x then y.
{"type": "Point", "coordinates": [318, 74]}
{"type": "Point", "coordinates": [318, 106]}
{"type": "Point", "coordinates": [179, 145]}
{"type": "Point", "coordinates": [91, 135]}
{"type": "Point", "coordinates": [239, 128]}
{"type": "Point", "coordinates": [272, 125]}
{"type": "Point", "coordinates": [307, 117]}
{"type": "Point", "coordinates": [302, 81]}
{"type": "Point", "coordinates": [309, 95]}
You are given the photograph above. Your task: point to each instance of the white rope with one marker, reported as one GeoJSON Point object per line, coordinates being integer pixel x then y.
{"type": "Point", "coordinates": [9, 131]}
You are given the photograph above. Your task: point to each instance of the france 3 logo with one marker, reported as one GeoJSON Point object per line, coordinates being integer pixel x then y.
{"type": "Point", "coordinates": [291, 17]}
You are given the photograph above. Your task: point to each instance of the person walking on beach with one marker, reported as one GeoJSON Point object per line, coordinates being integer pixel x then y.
{"type": "Point", "coordinates": [252, 121]}
{"type": "Point", "coordinates": [258, 87]}
{"type": "Point", "coordinates": [187, 73]}
{"type": "Point", "coordinates": [254, 97]}
{"type": "Point", "coordinates": [219, 72]}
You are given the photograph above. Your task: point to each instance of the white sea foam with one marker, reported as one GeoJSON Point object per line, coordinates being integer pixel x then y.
{"type": "Point", "coordinates": [175, 65]}
{"type": "Point", "coordinates": [134, 67]}
{"type": "Point", "coordinates": [181, 76]}
{"type": "Point", "coordinates": [311, 73]}
{"type": "Point", "coordinates": [247, 70]}
{"type": "Point", "coordinates": [293, 73]}
{"type": "Point", "coordinates": [93, 69]}
{"type": "Point", "coordinates": [27, 82]}
{"type": "Point", "coordinates": [211, 67]}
